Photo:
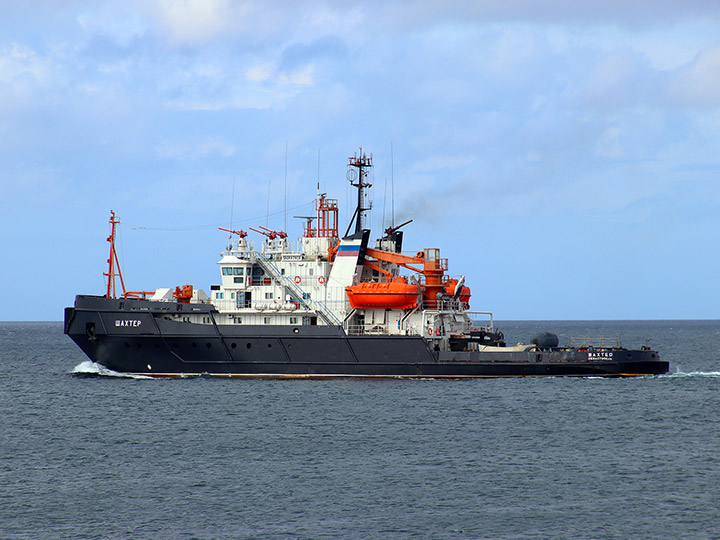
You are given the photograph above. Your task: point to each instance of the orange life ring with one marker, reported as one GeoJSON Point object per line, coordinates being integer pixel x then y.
{"type": "Point", "coordinates": [429, 331]}
{"type": "Point", "coordinates": [321, 280]}
{"type": "Point", "coordinates": [437, 331]}
{"type": "Point", "coordinates": [297, 279]}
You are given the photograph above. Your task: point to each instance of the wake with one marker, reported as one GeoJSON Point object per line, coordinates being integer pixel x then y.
{"type": "Point", "coordinates": [91, 369]}
{"type": "Point", "coordinates": [691, 374]}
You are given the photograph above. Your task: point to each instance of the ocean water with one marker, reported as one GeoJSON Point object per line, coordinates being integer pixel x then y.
{"type": "Point", "coordinates": [91, 456]}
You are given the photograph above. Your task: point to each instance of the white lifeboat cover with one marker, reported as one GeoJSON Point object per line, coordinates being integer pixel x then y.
{"type": "Point", "coordinates": [163, 294]}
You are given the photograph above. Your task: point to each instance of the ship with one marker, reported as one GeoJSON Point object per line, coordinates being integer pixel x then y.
{"type": "Point", "coordinates": [325, 306]}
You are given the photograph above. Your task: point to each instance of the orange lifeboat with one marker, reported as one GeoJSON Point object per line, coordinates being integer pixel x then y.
{"type": "Point", "coordinates": [396, 294]}
{"type": "Point", "coordinates": [450, 287]}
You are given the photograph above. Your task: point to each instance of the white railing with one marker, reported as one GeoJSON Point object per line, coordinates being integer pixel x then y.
{"type": "Point", "coordinates": [233, 306]}
{"type": "Point", "coordinates": [601, 342]}
{"type": "Point", "coordinates": [366, 329]}
{"type": "Point", "coordinates": [281, 249]}
{"type": "Point", "coordinates": [242, 249]}
{"type": "Point", "coordinates": [478, 320]}
{"type": "Point", "coordinates": [450, 305]}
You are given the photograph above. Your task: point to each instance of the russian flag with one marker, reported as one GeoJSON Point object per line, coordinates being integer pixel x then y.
{"type": "Point", "coordinates": [349, 251]}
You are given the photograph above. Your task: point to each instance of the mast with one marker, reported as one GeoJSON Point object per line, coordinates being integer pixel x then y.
{"type": "Point", "coordinates": [357, 175]}
{"type": "Point", "coordinates": [113, 263]}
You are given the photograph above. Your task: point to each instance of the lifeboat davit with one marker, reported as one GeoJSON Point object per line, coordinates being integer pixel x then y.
{"type": "Point", "coordinates": [395, 294]}
{"type": "Point", "coordinates": [450, 290]}
{"type": "Point", "coordinates": [183, 295]}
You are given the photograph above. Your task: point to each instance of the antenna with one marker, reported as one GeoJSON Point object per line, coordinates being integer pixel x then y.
{"type": "Point", "coordinates": [371, 201]}
{"type": "Point", "coordinates": [232, 203]}
{"type": "Point", "coordinates": [267, 208]}
{"type": "Point", "coordinates": [392, 176]}
{"type": "Point", "coordinates": [382, 224]}
{"type": "Point", "coordinates": [286, 154]}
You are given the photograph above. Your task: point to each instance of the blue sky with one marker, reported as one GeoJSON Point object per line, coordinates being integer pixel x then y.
{"type": "Point", "coordinates": [563, 155]}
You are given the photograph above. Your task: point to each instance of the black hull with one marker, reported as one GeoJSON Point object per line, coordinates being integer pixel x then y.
{"type": "Point", "coordinates": [134, 336]}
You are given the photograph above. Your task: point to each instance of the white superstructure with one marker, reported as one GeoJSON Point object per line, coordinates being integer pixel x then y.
{"type": "Point", "coordinates": [308, 283]}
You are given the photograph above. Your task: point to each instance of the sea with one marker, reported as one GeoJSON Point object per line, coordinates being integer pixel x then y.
{"type": "Point", "coordinates": [89, 454]}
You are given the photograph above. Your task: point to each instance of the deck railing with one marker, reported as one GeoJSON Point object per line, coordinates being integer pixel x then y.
{"type": "Point", "coordinates": [479, 320]}
{"type": "Point", "coordinates": [600, 342]}
{"type": "Point", "coordinates": [366, 329]}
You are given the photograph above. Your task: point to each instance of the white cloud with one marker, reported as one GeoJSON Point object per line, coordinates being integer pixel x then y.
{"type": "Point", "coordinates": [194, 22]}
{"type": "Point", "coordinates": [324, 19]}
{"type": "Point", "coordinates": [698, 83]}
{"type": "Point", "coordinates": [18, 60]}
{"type": "Point", "coordinates": [26, 185]}
{"type": "Point", "coordinates": [214, 146]}
{"type": "Point", "coordinates": [299, 77]}
{"type": "Point", "coordinates": [25, 79]}
{"type": "Point", "coordinates": [258, 73]}
{"type": "Point", "coordinates": [118, 21]}
{"type": "Point", "coordinates": [610, 144]}
{"type": "Point", "coordinates": [235, 96]}
{"type": "Point", "coordinates": [639, 13]}
{"type": "Point", "coordinates": [617, 80]}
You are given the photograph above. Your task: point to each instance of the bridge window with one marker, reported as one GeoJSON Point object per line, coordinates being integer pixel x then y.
{"type": "Point", "coordinates": [239, 271]}
{"type": "Point", "coordinates": [238, 279]}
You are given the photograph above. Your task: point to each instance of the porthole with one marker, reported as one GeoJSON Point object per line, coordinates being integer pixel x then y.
{"type": "Point", "coordinates": [269, 345]}
{"type": "Point", "coordinates": [127, 345]}
{"type": "Point", "coordinates": [208, 345]}
{"type": "Point", "coordinates": [296, 330]}
{"type": "Point", "coordinates": [249, 345]}
{"type": "Point", "coordinates": [194, 345]}
{"type": "Point", "coordinates": [233, 345]}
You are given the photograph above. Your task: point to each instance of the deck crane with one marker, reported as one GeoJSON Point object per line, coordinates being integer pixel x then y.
{"type": "Point", "coordinates": [272, 235]}
{"type": "Point", "coordinates": [240, 233]}
{"type": "Point", "coordinates": [391, 230]}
